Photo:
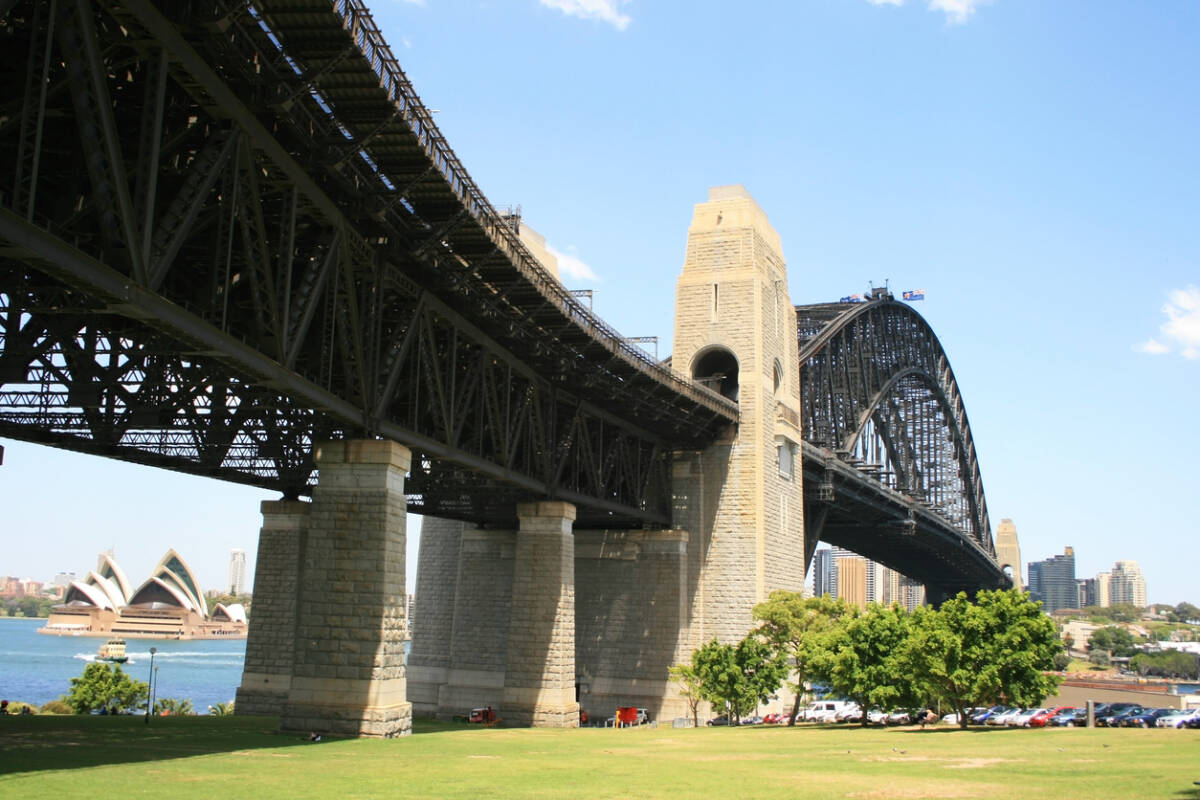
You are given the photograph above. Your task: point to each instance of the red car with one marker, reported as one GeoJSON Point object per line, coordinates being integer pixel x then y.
{"type": "Point", "coordinates": [1040, 719]}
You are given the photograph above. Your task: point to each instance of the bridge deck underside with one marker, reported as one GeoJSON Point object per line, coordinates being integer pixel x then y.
{"type": "Point", "coordinates": [230, 230]}
{"type": "Point", "coordinates": [891, 529]}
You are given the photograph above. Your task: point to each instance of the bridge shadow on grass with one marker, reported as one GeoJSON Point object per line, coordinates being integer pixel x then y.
{"type": "Point", "coordinates": [44, 742]}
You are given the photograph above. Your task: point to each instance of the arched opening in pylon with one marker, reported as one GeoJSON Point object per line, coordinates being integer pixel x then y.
{"type": "Point", "coordinates": [717, 368]}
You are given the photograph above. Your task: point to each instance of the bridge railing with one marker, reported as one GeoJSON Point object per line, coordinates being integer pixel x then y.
{"type": "Point", "coordinates": [358, 21]}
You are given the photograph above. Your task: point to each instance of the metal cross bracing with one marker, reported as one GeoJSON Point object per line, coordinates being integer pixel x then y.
{"type": "Point", "coordinates": [890, 465]}
{"type": "Point", "coordinates": [229, 230]}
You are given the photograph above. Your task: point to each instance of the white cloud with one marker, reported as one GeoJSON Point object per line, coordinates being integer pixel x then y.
{"type": "Point", "coordinates": [603, 10]}
{"type": "Point", "coordinates": [956, 11]}
{"type": "Point", "coordinates": [1181, 331]}
{"type": "Point", "coordinates": [570, 266]}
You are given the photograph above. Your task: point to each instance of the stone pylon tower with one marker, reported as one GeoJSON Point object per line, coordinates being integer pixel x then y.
{"type": "Point", "coordinates": [741, 500]}
{"type": "Point", "coordinates": [643, 600]}
{"type": "Point", "coordinates": [1008, 551]}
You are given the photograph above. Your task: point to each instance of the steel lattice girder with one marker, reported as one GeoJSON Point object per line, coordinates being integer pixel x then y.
{"type": "Point", "coordinates": [197, 216]}
{"type": "Point", "coordinates": [878, 396]}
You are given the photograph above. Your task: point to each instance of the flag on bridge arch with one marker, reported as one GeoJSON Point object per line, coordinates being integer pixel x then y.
{"type": "Point", "coordinates": [914, 294]}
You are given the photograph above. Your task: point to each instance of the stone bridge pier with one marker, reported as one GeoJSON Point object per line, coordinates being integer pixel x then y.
{"type": "Point", "coordinates": [325, 650]}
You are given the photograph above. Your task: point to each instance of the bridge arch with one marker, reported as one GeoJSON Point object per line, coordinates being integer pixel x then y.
{"type": "Point", "coordinates": [878, 391]}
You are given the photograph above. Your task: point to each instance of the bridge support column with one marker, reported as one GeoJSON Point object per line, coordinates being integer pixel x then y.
{"type": "Point", "coordinates": [270, 643]}
{"type": "Point", "coordinates": [539, 681]}
{"type": "Point", "coordinates": [349, 674]}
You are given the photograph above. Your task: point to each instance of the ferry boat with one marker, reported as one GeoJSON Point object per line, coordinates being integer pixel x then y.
{"type": "Point", "coordinates": [113, 650]}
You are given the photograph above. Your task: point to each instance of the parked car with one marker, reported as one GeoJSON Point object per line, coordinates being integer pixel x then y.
{"type": "Point", "coordinates": [851, 713]}
{"type": "Point", "coordinates": [1021, 720]}
{"type": "Point", "coordinates": [900, 717]}
{"type": "Point", "coordinates": [1066, 717]}
{"type": "Point", "coordinates": [983, 716]}
{"type": "Point", "coordinates": [774, 719]}
{"type": "Point", "coordinates": [824, 710]}
{"type": "Point", "coordinates": [876, 716]}
{"type": "Point", "coordinates": [1178, 719]}
{"type": "Point", "coordinates": [1003, 717]}
{"type": "Point", "coordinates": [1148, 718]}
{"type": "Point", "coordinates": [1042, 719]}
{"type": "Point", "coordinates": [1113, 718]}
{"type": "Point", "coordinates": [718, 721]}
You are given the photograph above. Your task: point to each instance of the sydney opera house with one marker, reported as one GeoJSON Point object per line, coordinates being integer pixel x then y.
{"type": "Point", "coordinates": [169, 605]}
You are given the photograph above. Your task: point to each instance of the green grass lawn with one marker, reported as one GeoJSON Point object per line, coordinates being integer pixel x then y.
{"type": "Point", "coordinates": [240, 757]}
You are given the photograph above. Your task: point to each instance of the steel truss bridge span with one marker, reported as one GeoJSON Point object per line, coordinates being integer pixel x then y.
{"type": "Point", "coordinates": [890, 468]}
{"type": "Point", "coordinates": [231, 229]}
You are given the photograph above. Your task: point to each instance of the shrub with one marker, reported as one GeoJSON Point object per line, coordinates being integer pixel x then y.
{"type": "Point", "coordinates": [56, 707]}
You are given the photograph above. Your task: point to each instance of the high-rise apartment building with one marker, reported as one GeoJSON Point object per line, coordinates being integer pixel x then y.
{"type": "Point", "coordinates": [852, 580]}
{"type": "Point", "coordinates": [1126, 584]}
{"type": "Point", "coordinates": [824, 571]}
{"type": "Point", "coordinates": [237, 571]}
{"type": "Point", "coordinates": [1053, 582]}
{"type": "Point", "coordinates": [1103, 585]}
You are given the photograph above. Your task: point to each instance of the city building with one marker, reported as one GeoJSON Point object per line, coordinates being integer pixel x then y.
{"type": "Point", "coordinates": [912, 593]}
{"type": "Point", "coordinates": [1008, 551]}
{"type": "Point", "coordinates": [237, 571]}
{"type": "Point", "coordinates": [824, 572]}
{"type": "Point", "coordinates": [852, 580]}
{"type": "Point", "coordinates": [168, 605]}
{"type": "Point", "coordinates": [1053, 582]}
{"type": "Point", "coordinates": [1126, 584]}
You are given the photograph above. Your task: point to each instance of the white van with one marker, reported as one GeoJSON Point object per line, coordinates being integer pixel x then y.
{"type": "Point", "coordinates": [824, 710]}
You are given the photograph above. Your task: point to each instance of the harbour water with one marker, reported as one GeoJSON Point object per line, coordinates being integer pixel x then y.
{"type": "Point", "coordinates": [36, 669]}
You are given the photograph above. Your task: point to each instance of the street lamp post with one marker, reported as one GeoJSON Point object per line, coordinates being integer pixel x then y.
{"type": "Point", "coordinates": [150, 687]}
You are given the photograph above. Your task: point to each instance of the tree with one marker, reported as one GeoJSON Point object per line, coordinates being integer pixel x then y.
{"type": "Point", "coordinates": [105, 687]}
{"type": "Point", "coordinates": [739, 675]}
{"type": "Point", "coordinates": [868, 667]}
{"type": "Point", "coordinates": [691, 688]}
{"type": "Point", "coordinates": [32, 606]}
{"type": "Point", "coordinates": [170, 706]}
{"type": "Point", "coordinates": [1116, 641]}
{"type": "Point", "coordinates": [996, 648]}
{"type": "Point", "coordinates": [804, 630]}
{"type": "Point", "coordinates": [221, 709]}
{"type": "Point", "coordinates": [1186, 612]}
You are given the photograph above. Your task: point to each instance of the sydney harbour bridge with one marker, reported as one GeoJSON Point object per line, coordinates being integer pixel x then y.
{"type": "Point", "coordinates": [230, 232]}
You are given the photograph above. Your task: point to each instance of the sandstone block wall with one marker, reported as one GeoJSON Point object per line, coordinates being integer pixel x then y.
{"type": "Point", "coordinates": [271, 638]}
{"type": "Point", "coordinates": [348, 676]}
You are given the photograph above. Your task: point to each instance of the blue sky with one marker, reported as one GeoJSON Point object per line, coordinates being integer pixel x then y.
{"type": "Point", "coordinates": [1033, 166]}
